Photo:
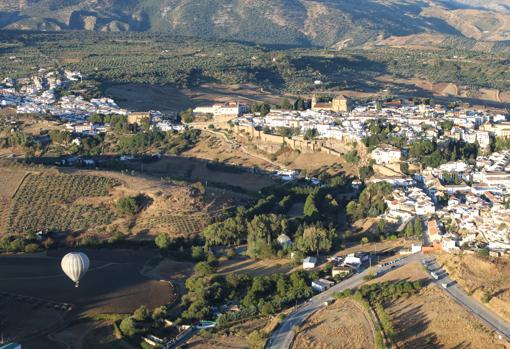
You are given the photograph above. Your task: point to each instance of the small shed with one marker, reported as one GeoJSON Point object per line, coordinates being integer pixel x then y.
{"type": "Point", "coordinates": [284, 240]}
{"type": "Point", "coordinates": [309, 262]}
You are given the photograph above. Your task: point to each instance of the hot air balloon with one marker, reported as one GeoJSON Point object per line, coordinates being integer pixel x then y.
{"type": "Point", "coordinates": [75, 266]}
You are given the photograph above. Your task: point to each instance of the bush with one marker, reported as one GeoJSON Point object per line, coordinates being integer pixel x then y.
{"type": "Point", "coordinates": [31, 248]}
{"type": "Point", "coordinates": [197, 253]}
{"type": "Point", "coordinates": [127, 327]}
{"type": "Point", "coordinates": [141, 314]}
{"type": "Point", "coordinates": [267, 309]}
{"type": "Point", "coordinates": [129, 205]}
{"type": "Point", "coordinates": [257, 339]}
{"type": "Point", "coordinates": [163, 241]}
{"type": "Point", "coordinates": [369, 276]}
{"type": "Point", "coordinates": [231, 253]}
{"type": "Point", "coordinates": [158, 313]}
{"type": "Point", "coordinates": [486, 297]}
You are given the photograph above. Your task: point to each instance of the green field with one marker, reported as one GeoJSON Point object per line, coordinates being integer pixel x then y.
{"type": "Point", "coordinates": [163, 59]}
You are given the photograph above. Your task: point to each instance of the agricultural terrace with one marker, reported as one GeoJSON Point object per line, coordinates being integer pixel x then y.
{"type": "Point", "coordinates": [10, 180]}
{"type": "Point", "coordinates": [49, 202]}
{"type": "Point", "coordinates": [186, 225]}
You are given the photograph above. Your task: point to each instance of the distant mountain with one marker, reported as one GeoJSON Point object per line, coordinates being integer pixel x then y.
{"type": "Point", "coordinates": [330, 23]}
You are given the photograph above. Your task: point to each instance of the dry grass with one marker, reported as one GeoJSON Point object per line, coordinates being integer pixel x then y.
{"type": "Point", "coordinates": [478, 275]}
{"type": "Point", "coordinates": [235, 339]}
{"type": "Point", "coordinates": [345, 324]}
{"type": "Point", "coordinates": [212, 147]}
{"type": "Point", "coordinates": [431, 319]}
{"type": "Point", "coordinates": [254, 267]}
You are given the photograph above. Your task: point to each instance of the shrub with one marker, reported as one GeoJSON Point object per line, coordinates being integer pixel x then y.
{"type": "Point", "coordinates": [158, 313]}
{"type": "Point", "coordinates": [31, 248]}
{"type": "Point", "coordinates": [486, 297]}
{"type": "Point", "coordinates": [129, 205]}
{"type": "Point", "coordinates": [197, 253]}
{"type": "Point", "coordinates": [163, 241]}
{"type": "Point", "coordinates": [141, 314]}
{"type": "Point", "coordinates": [127, 327]}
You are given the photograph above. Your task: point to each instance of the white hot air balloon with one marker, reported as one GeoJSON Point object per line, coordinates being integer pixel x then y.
{"type": "Point", "coordinates": [75, 266]}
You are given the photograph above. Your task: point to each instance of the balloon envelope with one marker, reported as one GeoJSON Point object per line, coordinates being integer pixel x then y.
{"type": "Point", "coordinates": [75, 265]}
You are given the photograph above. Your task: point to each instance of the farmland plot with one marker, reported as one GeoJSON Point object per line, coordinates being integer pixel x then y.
{"type": "Point", "coordinates": [48, 202]}
{"type": "Point", "coordinates": [177, 224]}
{"type": "Point", "coordinates": [10, 180]}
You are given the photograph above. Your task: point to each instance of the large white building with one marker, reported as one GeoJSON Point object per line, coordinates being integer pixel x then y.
{"type": "Point", "coordinates": [232, 109]}
{"type": "Point", "coordinates": [386, 154]}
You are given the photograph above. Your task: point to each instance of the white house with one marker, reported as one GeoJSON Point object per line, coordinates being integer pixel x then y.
{"type": "Point", "coordinates": [352, 260]}
{"type": "Point", "coordinates": [386, 154]}
{"type": "Point", "coordinates": [309, 263]}
{"type": "Point", "coordinates": [322, 285]}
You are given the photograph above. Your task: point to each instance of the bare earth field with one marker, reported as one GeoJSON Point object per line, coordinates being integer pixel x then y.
{"type": "Point", "coordinates": [478, 275]}
{"type": "Point", "coordinates": [144, 97]}
{"type": "Point", "coordinates": [254, 267]}
{"type": "Point", "coordinates": [345, 324]}
{"type": "Point", "coordinates": [212, 147]}
{"type": "Point", "coordinates": [114, 284]}
{"type": "Point", "coordinates": [196, 169]}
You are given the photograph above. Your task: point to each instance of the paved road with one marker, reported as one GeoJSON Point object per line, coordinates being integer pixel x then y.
{"type": "Point", "coordinates": [282, 338]}
{"type": "Point", "coordinates": [457, 293]}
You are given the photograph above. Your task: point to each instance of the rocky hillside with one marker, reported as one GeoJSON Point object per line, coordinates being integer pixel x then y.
{"type": "Point", "coordinates": [332, 23]}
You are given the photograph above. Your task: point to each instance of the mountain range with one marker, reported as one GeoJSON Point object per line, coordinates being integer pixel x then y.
{"type": "Point", "coordinates": [326, 23]}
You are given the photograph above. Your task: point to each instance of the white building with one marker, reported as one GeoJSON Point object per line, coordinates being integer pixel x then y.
{"type": "Point", "coordinates": [309, 263]}
{"type": "Point", "coordinates": [386, 155]}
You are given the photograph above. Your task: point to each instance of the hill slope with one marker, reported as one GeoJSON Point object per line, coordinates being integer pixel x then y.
{"type": "Point", "coordinates": [334, 23]}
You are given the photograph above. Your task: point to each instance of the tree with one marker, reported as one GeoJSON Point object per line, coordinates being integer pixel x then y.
{"type": "Point", "coordinates": [418, 229]}
{"type": "Point", "coordinates": [262, 231]}
{"type": "Point", "coordinates": [404, 168]}
{"type": "Point", "coordinates": [286, 104]}
{"type": "Point", "coordinates": [365, 172]}
{"type": "Point", "coordinates": [158, 313]}
{"type": "Point", "coordinates": [187, 115]}
{"type": "Point", "coordinates": [315, 238]}
{"type": "Point", "coordinates": [409, 230]}
{"type": "Point", "coordinates": [127, 326]}
{"type": "Point", "coordinates": [299, 104]}
{"type": "Point", "coordinates": [203, 269]}
{"type": "Point", "coordinates": [197, 253]}
{"type": "Point", "coordinates": [163, 241]}
{"type": "Point", "coordinates": [141, 314]}
{"type": "Point", "coordinates": [128, 205]}
{"type": "Point", "coordinates": [310, 209]}
{"type": "Point", "coordinates": [311, 134]}
{"type": "Point", "coordinates": [267, 309]}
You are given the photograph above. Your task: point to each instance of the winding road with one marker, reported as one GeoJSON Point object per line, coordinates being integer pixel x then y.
{"type": "Point", "coordinates": [283, 337]}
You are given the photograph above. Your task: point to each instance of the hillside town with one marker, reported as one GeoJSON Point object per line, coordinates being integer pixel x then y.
{"type": "Point", "coordinates": [463, 203]}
